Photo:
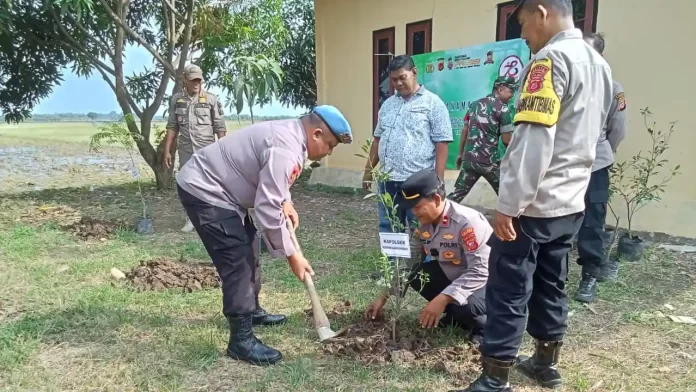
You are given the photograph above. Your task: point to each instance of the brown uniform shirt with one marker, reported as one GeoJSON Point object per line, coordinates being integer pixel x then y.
{"type": "Point", "coordinates": [460, 243]}
{"type": "Point", "coordinates": [252, 168]}
{"type": "Point", "coordinates": [196, 119]}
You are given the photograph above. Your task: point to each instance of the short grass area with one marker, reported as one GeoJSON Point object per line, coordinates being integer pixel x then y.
{"type": "Point", "coordinates": [67, 325]}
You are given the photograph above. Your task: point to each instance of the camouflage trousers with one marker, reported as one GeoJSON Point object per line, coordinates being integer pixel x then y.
{"type": "Point", "coordinates": [470, 173]}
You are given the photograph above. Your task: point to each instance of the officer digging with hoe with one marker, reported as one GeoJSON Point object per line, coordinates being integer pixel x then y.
{"type": "Point", "coordinates": [254, 168]}
{"type": "Point", "coordinates": [454, 255]}
{"type": "Point", "coordinates": [564, 102]}
{"type": "Point", "coordinates": [195, 117]}
{"type": "Point", "coordinates": [591, 238]}
{"type": "Point", "coordinates": [486, 122]}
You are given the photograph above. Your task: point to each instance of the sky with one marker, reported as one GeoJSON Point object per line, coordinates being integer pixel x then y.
{"type": "Point", "coordinates": [83, 95]}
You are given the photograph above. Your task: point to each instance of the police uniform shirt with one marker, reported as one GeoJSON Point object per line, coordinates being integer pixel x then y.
{"type": "Point", "coordinates": [252, 168]}
{"type": "Point", "coordinates": [196, 118]}
{"type": "Point", "coordinates": [614, 129]}
{"type": "Point", "coordinates": [459, 244]}
{"type": "Point", "coordinates": [563, 105]}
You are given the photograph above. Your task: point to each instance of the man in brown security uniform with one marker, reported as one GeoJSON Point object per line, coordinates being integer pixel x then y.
{"type": "Point", "coordinates": [195, 117]}
{"type": "Point", "coordinates": [489, 120]}
{"type": "Point", "coordinates": [254, 167]}
{"type": "Point", "coordinates": [454, 256]}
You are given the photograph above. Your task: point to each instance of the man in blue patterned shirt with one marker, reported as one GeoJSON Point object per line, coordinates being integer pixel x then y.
{"type": "Point", "coordinates": [412, 134]}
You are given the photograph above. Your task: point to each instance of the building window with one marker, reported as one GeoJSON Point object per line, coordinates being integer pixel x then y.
{"type": "Point", "coordinates": [419, 37]}
{"type": "Point", "coordinates": [382, 54]}
{"type": "Point", "coordinates": [584, 15]}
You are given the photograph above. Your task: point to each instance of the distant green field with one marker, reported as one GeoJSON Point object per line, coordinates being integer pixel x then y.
{"type": "Point", "coordinates": [78, 132]}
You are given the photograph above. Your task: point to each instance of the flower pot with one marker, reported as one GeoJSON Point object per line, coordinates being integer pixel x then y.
{"type": "Point", "coordinates": [144, 226]}
{"type": "Point", "coordinates": [630, 247]}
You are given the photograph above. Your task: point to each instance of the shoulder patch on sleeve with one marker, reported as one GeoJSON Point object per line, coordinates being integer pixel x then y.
{"type": "Point", "coordinates": [295, 173]}
{"type": "Point", "coordinates": [620, 102]}
{"type": "Point", "coordinates": [539, 103]}
{"type": "Point", "coordinates": [468, 237]}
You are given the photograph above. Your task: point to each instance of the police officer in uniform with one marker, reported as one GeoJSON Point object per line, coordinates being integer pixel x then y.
{"type": "Point", "coordinates": [591, 238]}
{"type": "Point", "coordinates": [454, 256]}
{"type": "Point", "coordinates": [487, 121]}
{"type": "Point", "coordinates": [564, 103]}
{"type": "Point", "coordinates": [254, 167]}
{"type": "Point", "coordinates": [195, 117]}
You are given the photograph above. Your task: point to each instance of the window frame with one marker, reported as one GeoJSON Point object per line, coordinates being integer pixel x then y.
{"type": "Point", "coordinates": [426, 26]}
{"type": "Point", "coordinates": [506, 8]}
{"type": "Point", "coordinates": [377, 35]}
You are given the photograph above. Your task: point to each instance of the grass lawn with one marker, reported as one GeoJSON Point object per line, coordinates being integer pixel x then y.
{"type": "Point", "coordinates": [71, 132]}
{"type": "Point", "coordinates": [67, 325]}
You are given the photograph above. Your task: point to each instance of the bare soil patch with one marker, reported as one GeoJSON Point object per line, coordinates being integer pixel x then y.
{"type": "Point", "coordinates": [93, 229]}
{"type": "Point", "coordinates": [162, 273]}
{"type": "Point", "coordinates": [371, 342]}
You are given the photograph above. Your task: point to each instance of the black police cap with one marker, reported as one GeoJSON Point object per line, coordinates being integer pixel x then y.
{"type": "Point", "coordinates": [418, 186]}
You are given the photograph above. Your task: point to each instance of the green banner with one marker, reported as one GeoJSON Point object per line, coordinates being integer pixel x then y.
{"type": "Point", "coordinates": [464, 75]}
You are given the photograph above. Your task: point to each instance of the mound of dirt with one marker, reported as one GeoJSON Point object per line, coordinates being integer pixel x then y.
{"type": "Point", "coordinates": [372, 343]}
{"type": "Point", "coordinates": [92, 229]}
{"type": "Point", "coordinates": [161, 274]}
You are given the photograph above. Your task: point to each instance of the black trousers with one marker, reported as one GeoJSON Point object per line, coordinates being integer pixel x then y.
{"type": "Point", "coordinates": [232, 246]}
{"type": "Point", "coordinates": [528, 274]}
{"type": "Point", "coordinates": [591, 234]}
{"type": "Point", "coordinates": [471, 315]}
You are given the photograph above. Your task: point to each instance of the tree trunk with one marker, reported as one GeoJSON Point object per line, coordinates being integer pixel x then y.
{"type": "Point", "coordinates": [251, 114]}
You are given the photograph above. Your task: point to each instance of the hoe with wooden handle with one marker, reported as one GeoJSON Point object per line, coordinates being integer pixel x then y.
{"type": "Point", "coordinates": [321, 322]}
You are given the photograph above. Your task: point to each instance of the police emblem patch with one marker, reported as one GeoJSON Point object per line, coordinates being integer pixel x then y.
{"type": "Point", "coordinates": [448, 255]}
{"type": "Point", "coordinates": [448, 236]}
{"type": "Point", "coordinates": [456, 261]}
{"type": "Point", "coordinates": [539, 103]}
{"type": "Point", "coordinates": [620, 102]}
{"type": "Point", "coordinates": [426, 235]}
{"type": "Point", "coordinates": [295, 173]}
{"type": "Point", "coordinates": [469, 239]}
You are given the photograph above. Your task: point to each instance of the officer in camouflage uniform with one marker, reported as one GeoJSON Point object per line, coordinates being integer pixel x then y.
{"type": "Point", "coordinates": [489, 120]}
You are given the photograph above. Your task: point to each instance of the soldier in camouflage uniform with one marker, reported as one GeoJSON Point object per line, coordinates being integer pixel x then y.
{"type": "Point", "coordinates": [489, 119]}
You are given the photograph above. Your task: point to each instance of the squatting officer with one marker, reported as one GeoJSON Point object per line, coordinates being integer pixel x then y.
{"type": "Point", "coordinates": [454, 256]}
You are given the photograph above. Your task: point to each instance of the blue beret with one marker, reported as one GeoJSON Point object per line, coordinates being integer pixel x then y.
{"type": "Point", "coordinates": [334, 119]}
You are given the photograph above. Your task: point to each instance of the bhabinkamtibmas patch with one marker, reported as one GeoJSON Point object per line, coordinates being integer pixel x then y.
{"type": "Point", "coordinates": [539, 103]}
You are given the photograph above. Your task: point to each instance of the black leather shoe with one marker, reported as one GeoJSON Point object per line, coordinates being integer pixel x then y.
{"type": "Point", "coordinates": [587, 290]}
{"type": "Point", "coordinates": [608, 272]}
{"type": "Point", "coordinates": [494, 378]}
{"type": "Point", "coordinates": [542, 367]}
{"type": "Point", "coordinates": [244, 346]}
{"type": "Point", "coordinates": [260, 317]}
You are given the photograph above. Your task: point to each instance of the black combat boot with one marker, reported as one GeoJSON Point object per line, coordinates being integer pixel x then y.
{"type": "Point", "coordinates": [542, 367]}
{"type": "Point", "coordinates": [608, 272]}
{"type": "Point", "coordinates": [587, 291]}
{"type": "Point", "coordinates": [494, 377]}
{"type": "Point", "coordinates": [260, 317]}
{"type": "Point", "coordinates": [245, 346]}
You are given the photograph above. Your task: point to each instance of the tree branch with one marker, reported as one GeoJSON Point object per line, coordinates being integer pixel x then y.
{"type": "Point", "coordinates": [133, 104]}
{"type": "Point", "coordinates": [73, 44]}
{"type": "Point", "coordinates": [131, 33]}
{"type": "Point", "coordinates": [187, 37]}
{"type": "Point", "coordinates": [91, 36]}
{"type": "Point", "coordinates": [173, 10]}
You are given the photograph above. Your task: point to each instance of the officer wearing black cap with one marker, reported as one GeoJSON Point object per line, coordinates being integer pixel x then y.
{"type": "Point", "coordinates": [563, 104]}
{"type": "Point", "coordinates": [455, 257]}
